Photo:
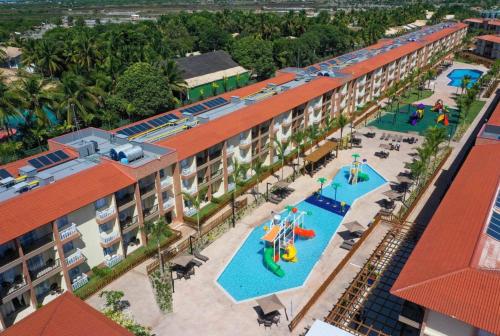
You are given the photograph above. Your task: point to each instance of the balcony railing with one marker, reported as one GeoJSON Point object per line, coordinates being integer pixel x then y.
{"type": "Point", "coordinates": [74, 257]}
{"type": "Point", "coordinates": [168, 203]}
{"type": "Point", "coordinates": [111, 261]}
{"type": "Point", "coordinates": [105, 213]}
{"type": "Point", "coordinates": [150, 211]}
{"type": "Point", "coordinates": [147, 188]}
{"type": "Point", "coordinates": [80, 281]}
{"type": "Point", "coordinates": [41, 271]}
{"type": "Point", "coordinates": [166, 182]}
{"type": "Point", "coordinates": [10, 288]}
{"type": "Point", "coordinates": [276, 127]}
{"type": "Point", "coordinates": [187, 171]}
{"type": "Point", "coordinates": [192, 190]}
{"type": "Point", "coordinates": [125, 199]}
{"type": "Point", "coordinates": [68, 232]}
{"type": "Point", "coordinates": [230, 169]}
{"type": "Point", "coordinates": [106, 239]}
{"type": "Point", "coordinates": [230, 150]}
{"type": "Point", "coordinates": [190, 211]}
{"type": "Point", "coordinates": [37, 243]}
{"type": "Point", "coordinates": [9, 255]}
{"type": "Point", "coordinates": [245, 142]}
{"type": "Point", "coordinates": [128, 222]}
{"type": "Point", "coordinates": [246, 159]}
{"type": "Point", "coordinates": [231, 186]}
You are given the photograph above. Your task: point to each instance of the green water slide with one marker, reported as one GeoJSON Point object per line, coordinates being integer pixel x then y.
{"type": "Point", "coordinates": [363, 177]}
{"type": "Point", "coordinates": [270, 264]}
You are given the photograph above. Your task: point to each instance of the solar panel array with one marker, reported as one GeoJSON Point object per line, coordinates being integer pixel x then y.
{"type": "Point", "coordinates": [194, 109]}
{"type": "Point", "coordinates": [216, 102]}
{"type": "Point", "coordinates": [147, 125]}
{"type": "Point", "coordinates": [48, 159]}
{"type": "Point", "coordinates": [205, 106]}
{"type": "Point", "coordinates": [4, 174]}
{"type": "Point", "coordinates": [493, 229]}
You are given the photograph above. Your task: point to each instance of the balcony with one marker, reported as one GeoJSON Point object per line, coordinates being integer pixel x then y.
{"type": "Point", "coordinates": [190, 211]}
{"type": "Point", "coordinates": [285, 137]}
{"type": "Point", "coordinates": [286, 122]}
{"type": "Point", "coordinates": [146, 189]}
{"type": "Point", "coordinates": [188, 171]}
{"type": "Point", "coordinates": [230, 169]}
{"type": "Point", "coordinates": [109, 239]}
{"type": "Point", "coordinates": [167, 182]}
{"type": "Point", "coordinates": [169, 203]}
{"type": "Point", "coordinates": [9, 258]}
{"type": "Point", "coordinates": [231, 186]}
{"type": "Point", "coordinates": [230, 150]}
{"type": "Point", "coordinates": [125, 201]}
{"type": "Point", "coordinates": [128, 222]}
{"type": "Point", "coordinates": [245, 143]}
{"type": "Point", "coordinates": [75, 258]}
{"type": "Point", "coordinates": [276, 127]}
{"type": "Point", "coordinates": [104, 215]}
{"type": "Point", "coordinates": [39, 245]}
{"type": "Point", "coordinates": [190, 190]}
{"type": "Point", "coordinates": [50, 268]}
{"type": "Point", "coordinates": [10, 290]}
{"type": "Point", "coordinates": [80, 281]}
{"type": "Point", "coordinates": [150, 212]}
{"type": "Point", "coordinates": [111, 261]}
{"type": "Point", "coordinates": [246, 159]}
{"type": "Point", "coordinates": [69, 233]}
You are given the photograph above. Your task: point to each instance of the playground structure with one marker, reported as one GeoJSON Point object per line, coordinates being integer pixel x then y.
{"type": "Point", "coordinates": [442, 112]}
{"type": "Point", "coordinates": [417, 115]}
{"type": "Point", "coordinates": [356, 171]}
{"type": "Point", "coordinates": [280, 236]}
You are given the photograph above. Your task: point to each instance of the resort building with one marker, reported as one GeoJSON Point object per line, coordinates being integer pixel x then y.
{"type": "Point", "coordinates": [12, 58]}
{"type": "Point", "coordinates": [486, 25]}
{"type": "Point", "coordinates": [211, 73]}
{"type": "Point", "coordinates": [454, 271]}
{"type": "Point", "coordinates": [82, 203]}
{"type": "Point", "coordinates": [488, 46]}
{"type": "Point", "coordinates": [67, 315]}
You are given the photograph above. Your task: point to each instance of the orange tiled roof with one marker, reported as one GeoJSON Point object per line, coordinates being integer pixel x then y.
{"type": "Point", "coordinates": [495, 117]}
{"type": "Point", "coordinates": [441, 273]}
{"type": "Point", "coordinates": [490, 38]}
{"type": "Point", "coordinates": [66, 316]}
{"type": "Point", "coordinates": [13, 167]}
{"type": "Point", "coordinates": [42, 205]}
{"type": "Point", "coordinates": [475, 20]}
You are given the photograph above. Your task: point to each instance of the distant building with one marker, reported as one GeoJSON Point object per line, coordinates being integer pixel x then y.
{"type": "Point", "coordinates": [64, 316]}
{"type": "Point", "coordinates": [488, 46]}
{"type": "Point", "coordinates": [12, 59]}
{"type": "Point", "coordinates": [211, 73]}
{"type": "Point", "coordinates": [490, 14]}
{"type": "Point", "coordinates": [491, 26]}
{"type": "Point", "coordinates": [454, 271]}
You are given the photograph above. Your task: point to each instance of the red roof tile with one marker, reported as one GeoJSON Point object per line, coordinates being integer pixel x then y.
{"type": "Point", "coordinates": [206, 135]}
{"type": "Point", "coordinates": [475, 20]}
{"type": "Point", "coordinates": [442, 273]}
{"type": "Point", "coordinates": [66, 316]}
{"type": "Point", "coordinates": [13, 167]}
{"type": "Point", "coordinates": [495, 117]}
{"type": "Point", "coordinates": [42, 205]}
{"type": "Point", "coordinates": [490, 38]}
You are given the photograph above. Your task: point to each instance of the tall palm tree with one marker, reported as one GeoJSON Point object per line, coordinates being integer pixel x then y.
{"type": "Point", "coordinates": [196, 201]}
{"type": "Point", "coordinates": [312, 134]}
{"type": "Point", "coordinates": [435, 136]}
{"type": "Point", "coordinates": [35, 96]}
{"type": "Point", "coordinates": [342, 122]}
{"type": "Point", "coordinates": [298, 140]}
{"type": "Point", "coordinates": [258, 169]}
{"type": "Point", "coordinates": [75, 98]}
{"type": "Point", "coordinates": [281, 147]}
{"type": "Point", "coordinates": [85, 51]}
{"type": "Point", "coordinates": [174, 76]}
{"type": "Point", "coordinates": [157, 231]}
{"type": "Point", "coordinates": [464, 85]}
{"type": "Point", "coordinates": [239, 172]}
{"type": "Point", "coordinates": [9, 103]}
{"type": "Point", "coordinates": [47, 57]}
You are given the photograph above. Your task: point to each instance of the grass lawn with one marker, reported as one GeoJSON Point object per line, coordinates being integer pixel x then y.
{"type": "Point", "coordinates": [399, 121]}
{"type": "Point", "coordinates": [413, 95]}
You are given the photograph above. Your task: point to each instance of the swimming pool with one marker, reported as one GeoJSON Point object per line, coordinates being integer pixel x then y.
{"type": "Point", "coordinates": [245, 276]}
{"type": "Point", "coordinates": [457, 75]}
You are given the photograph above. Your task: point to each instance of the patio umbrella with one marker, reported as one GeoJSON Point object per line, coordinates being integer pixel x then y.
{"type": "Point", "coordinates": [392, 194]}
{"type": "Point", "coordinates": [281, 184]}
{"type": "Point", "coordinates": [354, 226]}
{"type": "Point", "coordinates": [270, 304]}
{"type": "Point", "coordinates": [385, 146]}
{"type": "Point", "coordinates": [404, 179]}
{"type": "Point", "coordinates": [182, 260]}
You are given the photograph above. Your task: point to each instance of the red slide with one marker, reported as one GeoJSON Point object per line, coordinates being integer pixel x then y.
{"type": "Point", "coordinates": [304, 232]}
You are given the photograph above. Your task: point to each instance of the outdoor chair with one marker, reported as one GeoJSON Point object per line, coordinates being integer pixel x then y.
{"type": "Point", "coordinates": [260, 321]}
{"type": "Point", "coordinates": [197, 263]}
{"type": "Point", "coordinates": [387, 136]}
{"type": "Point", "coordinates": [345, 246]}
{"type": "Point", "coordinates": [180, 275]}
{"type": "Point", "coordinates": [268, 324]}
{"type": "Point", "coordinates": [382, 137]}
{"type": "Point", "coordinates": [201, 256]}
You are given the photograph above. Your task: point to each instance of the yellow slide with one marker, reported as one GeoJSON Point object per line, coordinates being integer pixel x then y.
{"type": "Point", "coordinates": [291, 254]}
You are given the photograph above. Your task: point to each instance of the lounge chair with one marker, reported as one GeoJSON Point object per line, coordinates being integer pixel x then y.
{"type": "Point", "coordinates": [200, 256]}
{"type": "Point", "coordinates": [268, 324]}
{"type": "Point", "coordinates": [346, 246]}
{"type": "Point", "coordinates": [197, 263]}
{"type": "Point", "coordinates": [180, 275]}
{"type": "Point", "coordinates": [382, 137]}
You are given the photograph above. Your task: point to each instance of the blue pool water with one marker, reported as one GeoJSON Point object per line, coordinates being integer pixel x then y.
{"type": "Point", "coordinates": [457, 75]}
{"type": "Point", "coordinates": [246, 277]}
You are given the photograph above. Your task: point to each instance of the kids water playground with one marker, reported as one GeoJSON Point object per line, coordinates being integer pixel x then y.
{"type": "Point", "coordinates": [280, 254]}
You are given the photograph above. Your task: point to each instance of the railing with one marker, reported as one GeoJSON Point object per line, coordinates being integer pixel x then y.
{"type": "Point", "coordinates": [230, 169]}
{"type": "Point", "coordinates": [231, 186]}
{"type": "Point", "coordinates": [80, 281]}
{"type": "Point", "coordinates": [230, 150]}
{"type": "Point", "coordinates": [147, 188]}
{"type": "Point", "coordinates": [190, 211]}
{"type": "Point", "coordinates": [187, 171]}
{"type": "Point", "coordinates": [11, 288]}
{"type": "Point", "coordinates": [191, 190]}
{"type": "Point", "coordinates": [245, 142]}
{"type": "Point", "coordinates": [276, 126]}
{"type": "Point", "coordinates": [125, 199]}
{"type": "Point", "coordinates": [49, 266]}
{"type": "Point", "coordinates": [75, 257]}
{"type": "Point", "coordinates": [105, 213]}
{"type": "Point", "coordinates": [37, 243]}
{"type": "Point", "coordinates": [168, 203]}
{"type": "Point", "coordinates": [129, 221]}
{"type": "Point", "coordinates": [68, 232]}
{"type": "Point", "coordinates": [106, 239]}
{"type": "Point", "coordinates": [150, 211]}
{"type": "Point", "coordinates": [112, 260]}
{"type": "Point", "coordinates": [166, 182]}
{"type": "Point", "coordinates": [246, 159]}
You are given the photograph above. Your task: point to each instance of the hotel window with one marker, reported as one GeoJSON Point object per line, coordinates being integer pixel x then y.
{"type": "Point", "coordinates": [100, 203]}
{"type": "Point", "coordinates": [68, 247]}
{"type": "Point", "coordinates": [62, 222]}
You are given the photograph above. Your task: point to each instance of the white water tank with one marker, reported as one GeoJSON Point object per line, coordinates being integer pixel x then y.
{"type": "Point", "coordinates": [115, 151]}
{"type": "Point", "coordinates": [131, 154]}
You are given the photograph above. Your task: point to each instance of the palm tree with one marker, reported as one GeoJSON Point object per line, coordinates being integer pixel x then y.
{"type": "Point", "coordinates": [34, 94]}
{"type": "Point", "coordinates": [9, 102]}
{"type": "Point", "coordinates": [417, 168]}
{"type": "Point", "coordinates": [335, 186]}
{"type": "Point", "coordinates": [173, 75]}
{"type": "Point", "coordinates": [322, 181]}
{"type": "Point", "coordinates": [85, 52]}
{"type": "Point", "coordinates": [75, 98]}
{"type": "Point", "coordinates": [312, 134]}
{"type": "Point", "coordinates": [157, 231]}
{"type": "Point", "coordinates": [196, 202]}
{"type": "Point", "coordinates": [258, 168]}
{"type": "Point", "coordinates": [342, 121]}
{"type": "Point", "coordinates": [281, 147]}
{"type": "Point", "coordinates": [47, 57]}
{"type": "Point", "coordinates": [464, 85]}
{"type": "Point", "coordinates": [329, 124]}
{"type": "Point", "coordinates": [298, 140]}
{"type": "Point", "coordinates": [239, 172]}
{"type": "Point", "coordinates": [435, 136]}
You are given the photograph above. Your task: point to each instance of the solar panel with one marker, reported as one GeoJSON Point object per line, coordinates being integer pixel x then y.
{"type": "Point", "coordinates": [4, 174]}
{"type": "Point", "coordinates": [126, 132]}
{"type": "Point", "coordinates": [53, 157]}
{"type": "Point", "coordinates": [194, 109]}
{"type": "Point", "coordinates": [35, 163]}
{"type": "Point", "coordinates": [155, 122]}
{"type": "Point", "coordinates": [493, 229]}
{"type": "Point", "coordinates": [215, 102]}
{"type": "Point", "coordinates": [45, 160]}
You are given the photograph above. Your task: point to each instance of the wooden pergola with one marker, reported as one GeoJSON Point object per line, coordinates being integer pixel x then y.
{"type": "Point", "coordinates": [324, 150]}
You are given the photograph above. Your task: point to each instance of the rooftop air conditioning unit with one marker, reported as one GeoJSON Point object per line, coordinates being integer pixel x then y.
{"type": "Point", "coordinates": [44, 178]}
{"type": "Point", "coordinates": [28, 171]}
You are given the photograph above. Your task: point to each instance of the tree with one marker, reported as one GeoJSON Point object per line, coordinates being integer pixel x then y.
{"type": "Point", "coordinates": [342, 121]}
{"type": "Point", "coordinates": [145, 89]}
{"type": "Point", "coordinates": [258, 169]}
{"type": "Point", "coordinates": [312, 134]}
{"type": "Point", "coordinates": [212, 38]}
{"type": "Point", "coordinates": [281, 147]}
{"type": "Point", "coordinates": [10, 151]}
{"type": "Point", "coordinates": [112, 299]}
{"type": "Point", "coordinates": [298, 140]}
{"type": "Point", "coordinates": [157, 231]}
{"type": "Point", "coordinates": [196, 202]}
{"type": "Point", "coordinates": [9, 101]}
{"type": "Point", "coordinates": [335, 186]}
{"type": "Point", "coordinates": [171, 71]}
{"type": "Point", "coordinates": [239, 172]}
{"type": "Point", "coordinates": [32, 90]}
{"type": "Point", "coordinates": [47, 57]}
{"type": "Point", "coordinates": [322, 181]}
{"type": "Point", "coordinates": [464, 85]}
{"type": "Point", "coordinates": [255, 54]}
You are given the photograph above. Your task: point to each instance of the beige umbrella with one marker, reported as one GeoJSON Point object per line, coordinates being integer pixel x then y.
{"type": "Point", "coordinates": [385, 146]}
{"type": "Point", "coordinates": [392, 194]}
{"type": "Point", "coordinates": [354, 226]}
{"type": "Point", "coordinates": [281, 184]}
{"type": "Point", "coordinates": [270, 304]}
{"type": "Point", "coordinates": [182, 260]}
{"type": "Point", "coordinates": [404, 179]}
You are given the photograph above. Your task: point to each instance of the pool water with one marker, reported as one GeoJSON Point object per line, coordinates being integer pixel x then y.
{"type": "Point", "coordinates": [457, 75]}
{"type": "Point", "coordinates": [246, 277]}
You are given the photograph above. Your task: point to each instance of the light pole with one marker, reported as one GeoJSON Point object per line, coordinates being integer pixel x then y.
{"type": "Point", "coordinates": [267, 190]}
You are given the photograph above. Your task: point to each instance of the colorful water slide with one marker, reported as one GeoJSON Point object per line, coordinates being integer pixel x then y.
{"type": "Point", "coordinates": [363, 177]}
{"type": "Point", "coordinates": [291, 254]}
{"type": "Point", "coordinates": [270, 264]}
{"type": "Point", "coordinates": [305, 233]}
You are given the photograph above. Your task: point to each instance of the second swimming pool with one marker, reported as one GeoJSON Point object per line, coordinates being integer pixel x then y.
{"type": "Point", "coordinates": [246, 277]}
{"type": "Point", "coordinates": [457, 75]}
